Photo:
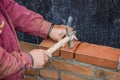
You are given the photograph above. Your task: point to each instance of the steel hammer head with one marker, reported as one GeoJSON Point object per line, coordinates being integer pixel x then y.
{"type": "Point", "coordinates": [72, 35]}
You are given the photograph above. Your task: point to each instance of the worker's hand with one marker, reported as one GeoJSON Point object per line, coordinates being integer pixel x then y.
{"type": "Point", "coordinates": [39, 57]}
{"type": "Point", "coordinates": [58, 32]}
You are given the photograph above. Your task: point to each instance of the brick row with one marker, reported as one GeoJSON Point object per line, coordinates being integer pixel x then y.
{"type": "Point", "coordinates": [81, 52]}
{"type": "Point", "coordinates": [98, 55]}
{"type": "Point", "coordinates": [85, 52]}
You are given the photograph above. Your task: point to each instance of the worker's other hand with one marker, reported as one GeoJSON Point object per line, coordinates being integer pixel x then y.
{"type": "Point", "coordinates": [58, 32]}
{"type": "Point", "coordinates": [39, 57]}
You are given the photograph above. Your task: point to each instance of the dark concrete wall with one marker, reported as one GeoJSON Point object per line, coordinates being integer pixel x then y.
{"type": "Point", "coordinates": [96, 21]}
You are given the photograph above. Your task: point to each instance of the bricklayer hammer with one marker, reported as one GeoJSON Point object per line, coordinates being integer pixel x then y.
{"type": "Point", "coordinates": [70, 36]}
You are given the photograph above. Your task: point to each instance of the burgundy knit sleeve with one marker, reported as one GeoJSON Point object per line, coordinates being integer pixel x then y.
{"type": "Point", "coordinates": [13, 62]}
{"type": "Point", "coordinates": [26, 20]}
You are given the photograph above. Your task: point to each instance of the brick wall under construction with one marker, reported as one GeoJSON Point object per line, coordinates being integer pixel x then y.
{"type": "Point", "coordinates": [85, 61]}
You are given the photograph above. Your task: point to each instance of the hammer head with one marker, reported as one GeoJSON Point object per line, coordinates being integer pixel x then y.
{"type": "Point", "coordinates": [71, 35]}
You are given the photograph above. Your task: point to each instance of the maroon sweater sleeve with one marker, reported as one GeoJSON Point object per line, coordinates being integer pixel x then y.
{"type": "Point", "coordinates": [11, 63]}
{"type": "Point", "coordinates": [26, 20]}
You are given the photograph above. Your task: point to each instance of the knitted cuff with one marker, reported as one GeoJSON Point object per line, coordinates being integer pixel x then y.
{"type": "Point", "coordinates": [51, 27]}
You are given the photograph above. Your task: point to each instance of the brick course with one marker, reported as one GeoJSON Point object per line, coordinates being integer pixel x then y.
{"type": "Point", "coordinates": [97, 55]}
{"type": "Point", "coordinates": [80, 65]}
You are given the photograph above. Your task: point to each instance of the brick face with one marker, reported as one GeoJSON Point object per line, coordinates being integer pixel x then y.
{"type": "Point", "coordinates": [49, 73]}
{"type": "Point", "coordinates": [97, 55]}
{"type": "Point", "coordinates": [26, 47]}
{"type": "Point", "coordinates": [46, 44]}
{"type": "Point", "coordinates": [67, 52]}
{"type": "Point", "coordinates": [30, 72]}
{"type": "Point", "coordinates": [31, 78]}
{"type": "Point", "coordinates": [66, 76]}
{"type": "Point", "coordinates": [48, 64]}
{"type": "Point", "coordinates": [107, 75]}
{"type": "Point", "coordinates": [73, 68]}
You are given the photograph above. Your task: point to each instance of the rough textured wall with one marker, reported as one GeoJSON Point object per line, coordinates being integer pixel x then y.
{"type": "Point", "coordinates": [96, 21]}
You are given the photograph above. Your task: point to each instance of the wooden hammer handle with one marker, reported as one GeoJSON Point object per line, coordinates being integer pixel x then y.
{"type": "Point", "coordinates": [58, 45]}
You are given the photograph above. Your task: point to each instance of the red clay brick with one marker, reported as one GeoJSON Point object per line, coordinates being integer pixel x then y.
{"type": "Point", "coordinates": [30, 72]}
{"type": "Point", "coordinates": [49, 73]}
{"type": "Point", "coordinates": [47, 43]}
{"type": "Point", "coordinates": [107, 75]}
{"type": "Point", "coordinates": [48, 64]}
{"type": "Point", "coordinates": [73, 68]}
{"type": "Point", "coordinates": [31, 79]}
{"type": "Point", "coordinates": [97, 55]}
{"type": "Point", "coordinates": [67, 52]}
{"type": "Point", "coordinates": [66, 76]}
{"type": "Point", "coordinates": [26, 47]}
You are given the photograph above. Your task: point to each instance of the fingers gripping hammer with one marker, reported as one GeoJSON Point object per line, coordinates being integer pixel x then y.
{"type": "Point", "coordinates": [70, 36]}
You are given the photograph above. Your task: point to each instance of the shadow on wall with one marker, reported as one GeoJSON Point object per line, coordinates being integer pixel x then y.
{"type": "Point", "coordinates": [96, 21]}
